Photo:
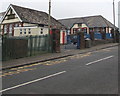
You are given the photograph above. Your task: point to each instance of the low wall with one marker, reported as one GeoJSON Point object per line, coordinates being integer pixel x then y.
{"type": "Point", "coordinates": [99, 42]}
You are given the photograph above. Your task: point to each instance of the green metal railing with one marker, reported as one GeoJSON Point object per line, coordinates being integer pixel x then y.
{"type": "Point", "coordinates": [18, 47]}
{"type": "Point", "coordinates": [37, 45]}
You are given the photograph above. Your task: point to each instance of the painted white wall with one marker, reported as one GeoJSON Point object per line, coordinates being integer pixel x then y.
{"type": "Point", "coordinates": [28, 24]}
{"type": "Point", "coordinates": [61, 36]}
{"type": "Point", "coordinates": [10, 20]}
{"type": "Point", "coordinates": [76, 26]}
{"type": "Point", "coordinates": [33, 31]}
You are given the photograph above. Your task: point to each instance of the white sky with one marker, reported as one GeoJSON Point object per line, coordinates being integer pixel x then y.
{"type": "Point", "coordinates": [69, 8]}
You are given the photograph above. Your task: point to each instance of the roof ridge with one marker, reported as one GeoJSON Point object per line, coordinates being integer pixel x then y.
{"type": "Point", "coordinates": [81, 17]}
{"type": "Point", "coordinates": [38, 13]}
{"type": "Point", "coordinates": [105, 21]}
{"type": "Point", "coordinates": [27, 8]}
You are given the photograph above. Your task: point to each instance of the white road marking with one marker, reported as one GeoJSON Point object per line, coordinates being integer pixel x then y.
{"type": "Point", "coordinates": [99, 60]}
{"type": "Point", "coordinates": [32, 81]}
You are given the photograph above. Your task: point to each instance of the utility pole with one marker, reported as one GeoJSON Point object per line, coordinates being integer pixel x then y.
{"type": "Point", "coordinates": [119, 15]}
{"type": "Point", "coordinates": [49, 25]}
{"type": "Point", "coordinates": [49, 19]}
{"type": "Point", "coordinates": [114, 20]}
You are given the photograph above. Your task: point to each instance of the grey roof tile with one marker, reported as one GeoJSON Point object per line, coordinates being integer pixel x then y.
{"type": "Point", "coordinates": [90, 21]}
{"type": "Point", "coordinates": [34, 16]}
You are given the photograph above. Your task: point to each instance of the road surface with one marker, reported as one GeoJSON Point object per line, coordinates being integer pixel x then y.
{"type": "Point", "coordinates": [89, 73]}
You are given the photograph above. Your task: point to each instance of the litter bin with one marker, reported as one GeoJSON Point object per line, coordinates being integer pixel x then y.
{"type": "Point", "coordinates": [87, 43]}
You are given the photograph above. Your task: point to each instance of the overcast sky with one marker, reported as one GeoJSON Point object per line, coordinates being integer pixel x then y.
{"type": "Point", "coordinates": [69, 8]}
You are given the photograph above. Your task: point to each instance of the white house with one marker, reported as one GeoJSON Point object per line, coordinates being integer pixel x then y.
{"type": "Point", "coordinates": [20, 21]}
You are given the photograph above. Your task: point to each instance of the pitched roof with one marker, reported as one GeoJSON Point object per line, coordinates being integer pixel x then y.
{"type": "Point", "coordinates": [91, 21]}
{"type": "Point", "coordinates": [2, 13]}
{"type": "Point", "coordinates": [33, 16]}
{"type": "Point", "coordinates": [1, 16]}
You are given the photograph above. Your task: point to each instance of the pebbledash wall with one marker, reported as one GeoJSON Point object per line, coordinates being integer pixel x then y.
{"type": "Point", "coordinates": [26, 31]}
{"type": "Point", "coordinates": [119, 15]}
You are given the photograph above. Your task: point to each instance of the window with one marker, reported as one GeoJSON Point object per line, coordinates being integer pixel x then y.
{"type": "Point", "coordinates": [11, 16]}
{"type": "Point", "coordinates": [10, 11]}
{"type": "Point", "coordinates": [96, 30]}
{"type": "Point", "coordinates": [41, 30]}
{"type": "Point", "coordinates": [79, 25]}
{"type": "Point", "coordinates": [24, 31]}
{"type": "Point", "coordinates": [104, 29]}
{"type": "Point", "coordinates": [91, 29]}
{"type": "Point", "coordinates": [16, 25]}
{"type": "Point", "coordinates": [20, 31]}
{"type": "Point", "coordinates": [5, 29]}
{"type": "Point", "coordinates": [29, 31]}
{"type": "Point", "coordinates": [10, 28]}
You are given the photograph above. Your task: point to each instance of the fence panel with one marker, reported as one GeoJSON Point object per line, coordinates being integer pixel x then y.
{"type": "Point", "coordinates": [37, 45]}
{"type": "Point", "coordinates": [17, 47]}
{"type": "Point", "coordinates": [13, 48]}
{"type": "Point", "coordinates": [108, 36]}
{"type": "Point", "coordinates": [97, 35]}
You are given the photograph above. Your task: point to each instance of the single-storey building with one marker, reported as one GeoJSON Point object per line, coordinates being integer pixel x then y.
{"type": "Point", "coordinates": [88, 24]}
{"type": "Point", "coordinates": [20, 21]}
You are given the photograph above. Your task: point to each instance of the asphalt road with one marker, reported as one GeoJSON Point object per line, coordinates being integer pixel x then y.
{"type": "Point", "coordinates": [90, 73]}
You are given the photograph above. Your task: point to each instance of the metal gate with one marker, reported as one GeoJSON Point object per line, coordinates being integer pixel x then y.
{"type": "Point", "coordinates": [71, 42]}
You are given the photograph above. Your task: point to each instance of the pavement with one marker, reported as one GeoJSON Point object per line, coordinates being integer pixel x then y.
{"type": "Point", "coordinates": [51, 56]}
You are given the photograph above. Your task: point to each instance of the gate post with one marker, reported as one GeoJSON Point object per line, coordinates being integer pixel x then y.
{"type": "Point", "coordinates": [117, 35]}
{"type": "Point", "coordinates": [55, 40]}
{"type": "Point", "coordinates": [113, 35]}
{"type": "Point", "coordinates": [103, 34]}
{"type": "Point", "coordinates": [80, 40]}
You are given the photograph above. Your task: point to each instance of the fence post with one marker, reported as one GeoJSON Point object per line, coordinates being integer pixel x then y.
{"type": "Point", "coordinates": [31, 46]}
{"type": "Point", "coordinates": [38, 43]}
{"type": "Point", "coordinates": [117, 35]}
{"type": "Point", "coordinates": [35, 45]}
{"type": "Point", "coordinates": [3, 48]}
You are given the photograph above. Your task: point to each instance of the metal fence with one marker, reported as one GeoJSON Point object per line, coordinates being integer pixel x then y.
{"type": "Point", "coordinates": [18, 47]}
{"type": "Point", "coordinates": [38, 45]}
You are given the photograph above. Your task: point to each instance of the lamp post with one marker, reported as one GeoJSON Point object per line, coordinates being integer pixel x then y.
{"type": "Point", "coordinates": [114, 20]}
